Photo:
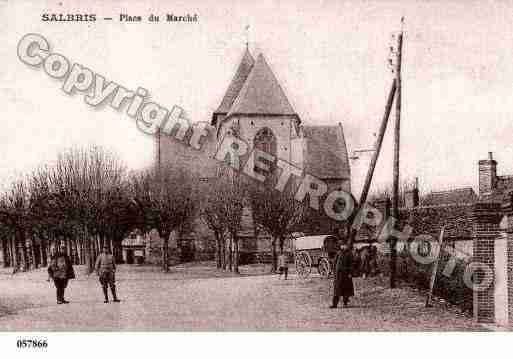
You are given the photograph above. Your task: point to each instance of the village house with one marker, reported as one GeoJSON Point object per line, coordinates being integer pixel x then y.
{"type": "Point", "coordinates": [454, 208]}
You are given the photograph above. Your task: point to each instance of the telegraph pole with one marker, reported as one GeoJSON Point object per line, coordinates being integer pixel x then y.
{"type": "Point", "coordinates": [397, 142]}
{"type": "Point", "coordinates": [370, 172]}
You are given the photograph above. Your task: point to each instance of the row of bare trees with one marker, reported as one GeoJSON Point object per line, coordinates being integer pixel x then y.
{"type": "Point", "coordinates": [73, 201]}
{"type": "Point", "coordinates": [276, 213]}
{"type": "Point", "coordinates": [84, 200]}
{"type": "Point", "coordinates": [87, 198]}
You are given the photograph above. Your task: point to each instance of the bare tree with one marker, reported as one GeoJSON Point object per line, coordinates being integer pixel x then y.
{"type": "Point", "coordinates": [14, 216]}
{"type": "Point", "coordinates": [83, 196]}
{"type": "Point", "coordinates": [232, 193]}
{"type": "Point", "coordinates": [277, 213]}
{"type": "Point", "coordinates": [165, 200]}
{"type": "Point", "coordinates": [212, 216]}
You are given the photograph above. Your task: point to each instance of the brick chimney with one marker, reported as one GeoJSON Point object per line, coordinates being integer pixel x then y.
{"type": "Point", "coordinates": [411, 196]}
{"type": "Point", "coordinates": [487, 175]}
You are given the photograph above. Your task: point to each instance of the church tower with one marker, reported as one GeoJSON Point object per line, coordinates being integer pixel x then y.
{"type": "Point", "coordinates": [257, 110]}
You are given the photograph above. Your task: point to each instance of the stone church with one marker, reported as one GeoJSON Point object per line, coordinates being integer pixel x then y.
{"type": "Point", "coordinates": [256, 109]}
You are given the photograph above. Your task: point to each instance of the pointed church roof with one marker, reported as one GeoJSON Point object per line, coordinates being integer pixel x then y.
{"type": "Point", "coordinates": [238, 80]}
{"type": "Point", "coordinates": [326, 152]}
{"type": "Point", "coordinates": [261, 94]}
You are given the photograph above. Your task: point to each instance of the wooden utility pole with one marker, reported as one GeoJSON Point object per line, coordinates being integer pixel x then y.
{"type": "Point", "coordinates": [435, 268]}
{"type": "Point", "coordinates": [372, 165]}
{"type": "Point", "coordinates": [377, 145]}
{"type": "Point", "coordinates": [397, 141]}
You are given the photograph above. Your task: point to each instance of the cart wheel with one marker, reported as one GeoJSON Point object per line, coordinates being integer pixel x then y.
{"type": "Point", "coordinates": [324, 268]}
{"type": "Point", "coordinates": [303, 265]}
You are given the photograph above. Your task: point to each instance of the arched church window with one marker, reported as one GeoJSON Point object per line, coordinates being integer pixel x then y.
{"type": "Point", "coordinates": [265, 141]}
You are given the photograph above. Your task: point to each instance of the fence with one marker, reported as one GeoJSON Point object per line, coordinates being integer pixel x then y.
{"type": "Point", "coordinates": [451, 288]}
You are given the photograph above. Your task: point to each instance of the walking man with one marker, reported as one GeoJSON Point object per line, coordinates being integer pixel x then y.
{"type": "Point", "coordinates": [283, 265]}
{"type": "Point", "coordinates": [61, 271]}
{"type": "Point", "coordinates": [342, 281]}
{"type": "Point", "coordinates": [106, 269]}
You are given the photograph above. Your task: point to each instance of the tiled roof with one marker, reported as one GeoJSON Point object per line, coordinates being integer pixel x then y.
{"type": "Point", "coordinates": [501, 192]}
{"type": "Point", "coordinates": [457, 219]}
{"type": "Point", "coordinates": [455, 196]}
{"type": "Point", "coordinates": [326, 152]}
{"type": "Point", "coordinates": [261, 94]}
{"type": "Point", "coordinates": [505, 183]}
{"type": "Point", "coordinates": [236, 84]}
{"type": "Point", "coordinates": [175, 154]}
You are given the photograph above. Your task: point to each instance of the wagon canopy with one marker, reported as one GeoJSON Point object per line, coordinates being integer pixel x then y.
{"type": "Point", "coordinates": [326, 242]}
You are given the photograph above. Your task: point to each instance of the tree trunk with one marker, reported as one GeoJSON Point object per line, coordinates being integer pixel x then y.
{"type": "Point", "coordinates": [87, 252]}
{"type": "Point", "coordinates": [9, 255]}
{"type": "Point", "coordinates": [23, 244]}
{"type": "Point", "coordinates": [223, 248]}
{"type": "Point", "coordinates": [165, 253]}
{"type": "Point", "coordinates": [274, 256]}
{"type": "Point", "coordinates": [236, 254]}
{"type": "Point", "coordinates": [14, 256]}
{"type": "Point", "coordinates": [5, 253]}
{"type": "Point", "coordinates": [119, 250]}
{"type": "Point", "coordinates": [82, 250]}
{"type": "Point", "coordinates": [78, 245]}
{"type": "Point", "coordinates": [24, 256]}
{"type": "Point", "coordinates": [44, 257]}
{"type": "Point", "coordinates": [282, 244]}
{"type": "Point", "coordinates": [97, 247]}
{"type": "Point", "coordinates": [230, 254]}
{"type": "Point", "coordinates": [68, 248]}
{"type": "Point", "coordinates": [218, 254]}
{"type": "Point", "coordinates": [74, 250]}
{"type": "Point", "coordinates": [33, 252]}
{"type": "Point", "coordinates": [111, 245]}
{"type": "Point", "coordinates": [93, 243]}
{"type": "Point", "coordinates": [218, 250]}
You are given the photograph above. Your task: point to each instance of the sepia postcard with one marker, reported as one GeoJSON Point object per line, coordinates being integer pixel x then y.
{"type": "Point", "coordinates": [237, 166]}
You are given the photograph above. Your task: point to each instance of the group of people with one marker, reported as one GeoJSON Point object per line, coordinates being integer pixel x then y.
{"type": "Point", "coordinates": [60, 271]}
{"type": "Point", "coordinates": [365, 261]}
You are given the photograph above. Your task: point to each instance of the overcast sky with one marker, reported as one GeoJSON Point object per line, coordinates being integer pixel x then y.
{"type": "Point", "coordinates": [330, 57]}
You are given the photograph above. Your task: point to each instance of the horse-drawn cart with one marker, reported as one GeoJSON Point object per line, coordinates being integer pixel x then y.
{"type": "Point", "coordinates": [315, 251]}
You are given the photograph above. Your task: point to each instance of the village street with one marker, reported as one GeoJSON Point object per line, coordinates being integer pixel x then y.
{"type": "Point", "coordinates": [200, 297]}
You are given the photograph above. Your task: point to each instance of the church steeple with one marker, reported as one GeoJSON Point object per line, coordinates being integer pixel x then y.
{"type": "Point", "coordinates": [236, 85]}
{"type": "Point", "coordinates": [261, 94]}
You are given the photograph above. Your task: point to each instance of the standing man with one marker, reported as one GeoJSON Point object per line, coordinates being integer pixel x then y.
{"type": "Point", "coordinates": [61, 271]}
{"type": "Point", "coordinates": [283, 266]}
{"type": "Point", "coordinates": [342, 281]}
{"type": "Point", "coordinates": [106, 270]}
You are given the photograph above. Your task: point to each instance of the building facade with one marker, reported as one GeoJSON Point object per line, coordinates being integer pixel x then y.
{"type": "Point", "coordinates": [256, 109]}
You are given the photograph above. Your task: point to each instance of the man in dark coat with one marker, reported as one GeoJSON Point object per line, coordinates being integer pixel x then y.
{"type": "Point", "coordinates": [342, 281]}
{"type": "Point", "coordinates": [61, 271]}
